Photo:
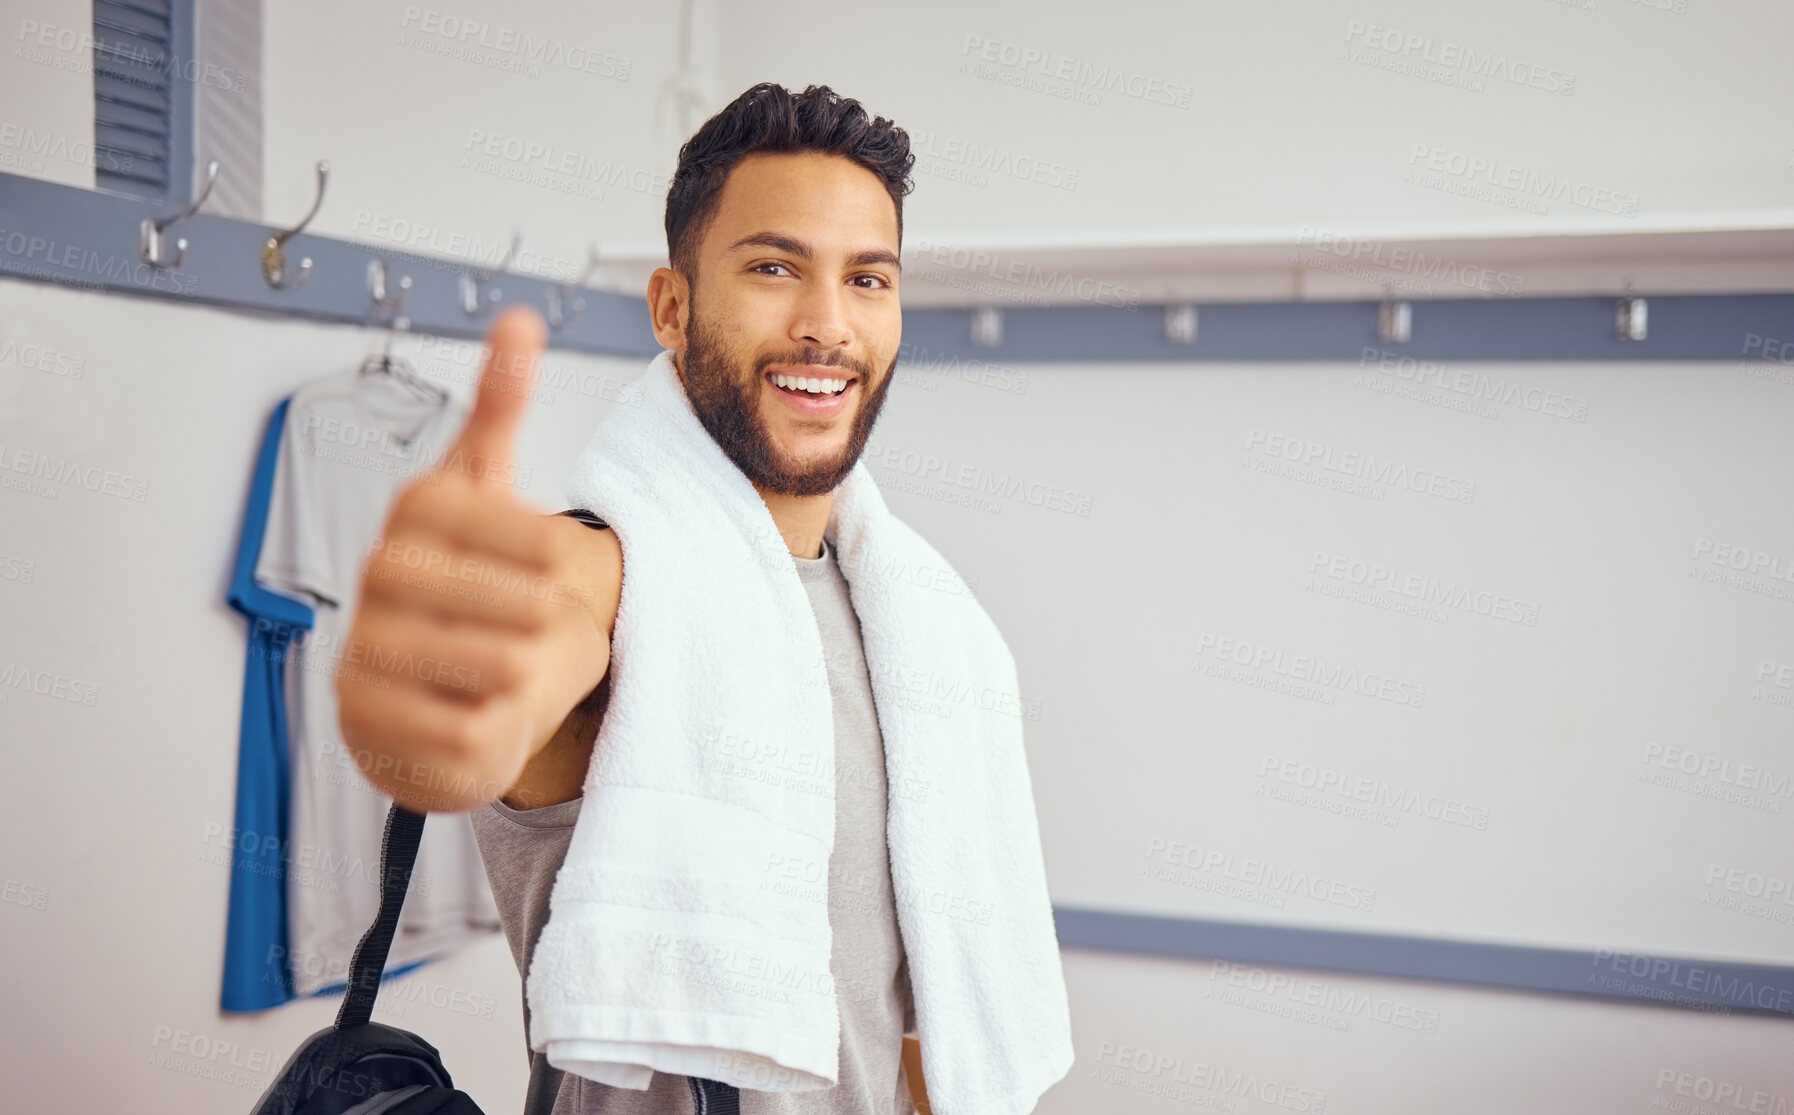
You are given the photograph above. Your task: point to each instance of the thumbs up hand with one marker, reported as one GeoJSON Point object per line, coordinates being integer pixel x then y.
{"type": "Point", "coordinates": [473, 607]}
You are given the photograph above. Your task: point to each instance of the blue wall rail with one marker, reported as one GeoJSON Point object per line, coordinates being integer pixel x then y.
{"type": "Point", "coordinates": [90, 239]}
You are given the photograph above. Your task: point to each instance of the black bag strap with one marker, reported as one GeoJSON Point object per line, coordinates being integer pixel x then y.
{"type": "Point", "coordinates": [398, 854]}
{"type": "Point", "coordinates": [713, 1097]}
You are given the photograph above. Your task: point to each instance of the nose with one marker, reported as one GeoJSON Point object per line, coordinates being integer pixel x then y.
{"type": "Point", "coordinates": [820, 317]}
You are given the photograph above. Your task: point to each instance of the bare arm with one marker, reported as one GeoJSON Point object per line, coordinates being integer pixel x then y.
{"type": "Point", "coordinates": [481, 623]}
{"type": "Point", "coordinates": [557, 767]}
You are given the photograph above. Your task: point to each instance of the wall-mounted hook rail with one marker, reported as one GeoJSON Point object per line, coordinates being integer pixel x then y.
{"type": "Point", "coordinates": [154, 247]}
{"type": "Point", "coordinates": [80, 231]}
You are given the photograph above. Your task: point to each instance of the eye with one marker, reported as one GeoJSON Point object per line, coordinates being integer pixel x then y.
{"type": "Point", "coordinates": [758, 266]}
{"type": "Point", "coordinates": [883, 283]}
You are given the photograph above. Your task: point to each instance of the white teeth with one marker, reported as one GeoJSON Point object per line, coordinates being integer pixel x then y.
{"type": "Point", "coordinates": [814, 386]}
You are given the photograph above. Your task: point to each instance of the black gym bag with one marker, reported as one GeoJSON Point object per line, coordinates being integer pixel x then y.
{"type": "Point", "coordinates": [359, 1067]}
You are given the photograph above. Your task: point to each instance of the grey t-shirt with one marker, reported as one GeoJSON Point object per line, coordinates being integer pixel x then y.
{"type": "Point", "coordinates": [523, 849]}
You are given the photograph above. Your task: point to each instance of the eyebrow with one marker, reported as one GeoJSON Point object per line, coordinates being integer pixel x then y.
{"type": "Point", "coordinates": [802, 250]}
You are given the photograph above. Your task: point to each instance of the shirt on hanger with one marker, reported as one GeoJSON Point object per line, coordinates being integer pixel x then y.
{"type": "Point", "coordinates": [352, 440]}
{"type": "Point", "coordinates": [255, 937]}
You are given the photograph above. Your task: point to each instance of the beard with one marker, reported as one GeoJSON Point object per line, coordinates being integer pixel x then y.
{"type": "Point", "coordinates": [728, 406]}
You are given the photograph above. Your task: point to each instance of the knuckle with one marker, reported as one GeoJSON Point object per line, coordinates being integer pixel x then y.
{"type": "Point", "coordinates": [466, 735]}
{"type": "Point", "coordinates": [348, 706]}
{"type": "Point", "coordinates": [472, 754]}
{"type": "Point", "coordinates": [519, 607]}
{"type": "Point", "coordinates": [368, 640]}
{"type": "Point", "coordinates": [510, 666]}
{"type": "Point", "coordinates": [381, 579]}
{"type": "Point", "coordinates": [537, 612]}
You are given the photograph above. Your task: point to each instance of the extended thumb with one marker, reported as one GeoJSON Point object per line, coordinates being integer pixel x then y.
{"type": "Point", "coordinates": [487, 446]}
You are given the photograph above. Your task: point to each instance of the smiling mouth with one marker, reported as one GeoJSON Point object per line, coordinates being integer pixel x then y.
{"type": "Point", "coordinates": [804, 394]}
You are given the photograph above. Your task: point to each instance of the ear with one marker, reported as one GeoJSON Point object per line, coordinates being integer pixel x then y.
{"type": "Point", "coordinates": [669, 307]}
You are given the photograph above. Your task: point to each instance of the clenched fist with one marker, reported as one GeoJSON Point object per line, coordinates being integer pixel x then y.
{"type": "Point", "coordinates": [481, 622]}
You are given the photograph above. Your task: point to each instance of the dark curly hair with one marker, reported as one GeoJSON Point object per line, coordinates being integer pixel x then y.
{"type": "Point", "coordinates": [770, 118]}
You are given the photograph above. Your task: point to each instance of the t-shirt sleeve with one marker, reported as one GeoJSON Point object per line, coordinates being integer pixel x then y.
{"type": "Point", "coordinates": [295, 554]}
{"type": "Point", "coordinates": [585, 517]}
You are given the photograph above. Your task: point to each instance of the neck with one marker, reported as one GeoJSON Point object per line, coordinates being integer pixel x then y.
{"type": "Point", "coordinates": [800, 519]}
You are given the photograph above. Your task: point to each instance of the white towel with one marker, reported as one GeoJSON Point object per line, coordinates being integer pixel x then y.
{"type": "Point", "coordinates": [665, 949]}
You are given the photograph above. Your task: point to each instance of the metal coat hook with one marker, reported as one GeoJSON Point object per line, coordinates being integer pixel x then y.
{"type": "Point", "coordinates": [1180, 323]}
{"type": "Point", "coordinates": [1395, 321]}
{"type": "Point", "coordinates": [1631, 316]}
{"type": "Point", "coordinates": [564, 307]}
{"type": "Point", "coordinates": [987, 327]}
{"type": "Point", "coordinates": [389, 302]}
{"type": "Point", "coordinates": [155, 249]}
{"type": "Point", "coordinates": [274, 252]}
{"type": "Point", "coordinates": [475, 295]}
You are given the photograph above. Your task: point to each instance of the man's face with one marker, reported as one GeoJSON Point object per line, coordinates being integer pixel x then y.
{"type": "Point", "coordinates": [797, 274]}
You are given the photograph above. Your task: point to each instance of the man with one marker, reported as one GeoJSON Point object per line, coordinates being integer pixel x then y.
{"type": "Point", "coordinates": [784, 225]}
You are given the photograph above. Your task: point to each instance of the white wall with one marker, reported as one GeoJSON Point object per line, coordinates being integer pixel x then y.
{"type": "Point", "coordinates": [1284, 127]}
{"type": "Point", "coordinates": [127, 597]}
{"type": "Point", "coordinates": [1282, 130]}
{"type": "Point", "coordinates": [1155, 1037]}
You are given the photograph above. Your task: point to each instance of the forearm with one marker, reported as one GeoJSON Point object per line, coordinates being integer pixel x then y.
{"type": "Point", "coordinates": [912, 1072]}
